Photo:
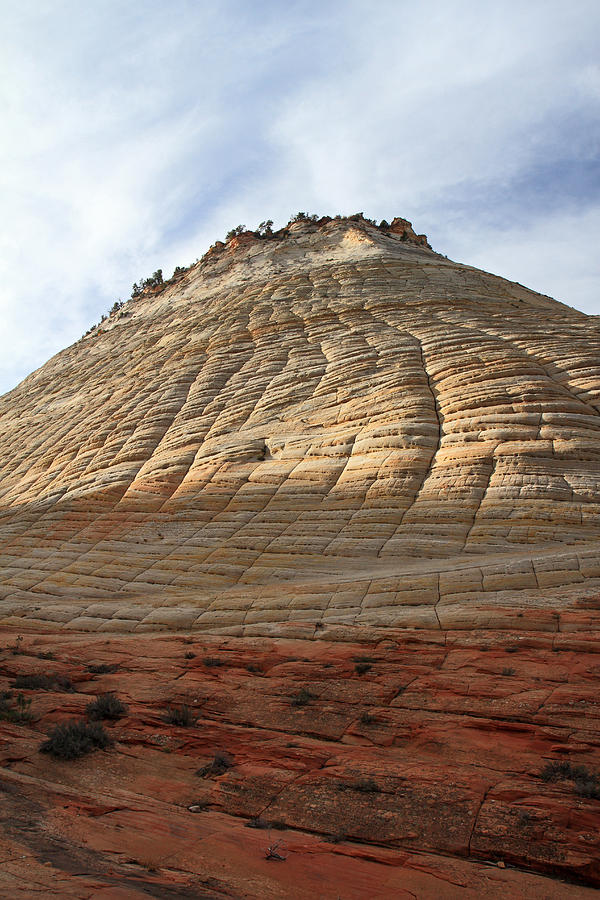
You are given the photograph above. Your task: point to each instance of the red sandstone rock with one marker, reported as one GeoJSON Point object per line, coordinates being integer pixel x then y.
{"type": "Point", "coordinates": [411, 768]}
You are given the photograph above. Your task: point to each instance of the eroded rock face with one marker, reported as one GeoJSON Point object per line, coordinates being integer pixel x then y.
{"type": "Point", "coordinates": [333, 428]}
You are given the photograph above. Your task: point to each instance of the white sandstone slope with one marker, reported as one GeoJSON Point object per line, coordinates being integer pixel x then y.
{"type": "Point", "coordinates": [335, 426]}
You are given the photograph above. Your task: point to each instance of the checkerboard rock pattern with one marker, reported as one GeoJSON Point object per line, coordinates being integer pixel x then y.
{"type": "Point", "coordinates": [334, 430]}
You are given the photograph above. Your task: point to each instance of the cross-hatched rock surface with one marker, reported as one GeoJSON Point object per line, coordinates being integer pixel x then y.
{"type": "Point", "coordinates": [331, 427]}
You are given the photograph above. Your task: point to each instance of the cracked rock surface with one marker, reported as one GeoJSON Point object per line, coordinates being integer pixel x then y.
{"type": "Point", "coordinates": [337, 427]}
{"type": "Point", "coordinates": [403, 767]}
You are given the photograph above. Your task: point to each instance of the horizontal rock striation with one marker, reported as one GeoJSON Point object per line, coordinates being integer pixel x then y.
{"type": "Point", "coordinates": [327, 427]}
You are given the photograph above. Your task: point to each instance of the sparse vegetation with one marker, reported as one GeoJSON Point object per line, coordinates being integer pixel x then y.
{"type": "Point", "coordinates": [190, 655]}
{"type": "Point", "coordinates": [302, 698]}
{"type": "Point", "coordinates": [17, 712]}
{"type": "Point", "coordinates": [235, 232]}
{"type": "Point", "coordinates": [588, 786]}
{"type": "Point", "coordinates": [70, 740]}
{"type": "Point", "coordinates": [213, 661]}
{"type": "Point", "coordinates": [221, 762]}
{"type": "Point", "coordinates": [508, 671]}
{"type": "Point", "coordinates": [106, 706]}
{"type": "Point", "coordinates": [102, 668]}
{"type": "Point", "coordinates": [367, 719]}
{"type": "Point", "coordinates": [367, 786]}
{"type": "Point", "coordinates": [182, 716]}
{"type": "Point", "coordinates": [524, 819]}
{"type": "Point", "coordinates": [265, 229]}
{"type": "Point", "coordinates": [585, 783]}
{"type": "Point", "coordinates": [42, 683]}
{"type": "Point", "coordinates": [358, 217]}
{"type": "Point", "coordinates": [154, 280]}
{"type": "Point", "coordinates": [303, 217]}
{"type": "Point", "coordinates": [558, 771]}
{"type": "Point", "coordinates": [362, 667]}
{"type": "Point", "coordinates": [272, 852]}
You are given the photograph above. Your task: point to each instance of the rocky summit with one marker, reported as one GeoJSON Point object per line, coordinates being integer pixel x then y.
{"type": "Point", "coordinates": [356, 487]}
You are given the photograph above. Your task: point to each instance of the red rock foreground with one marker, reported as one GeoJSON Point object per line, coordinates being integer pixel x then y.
{"type": "Point", "coordinates": [407, 767]}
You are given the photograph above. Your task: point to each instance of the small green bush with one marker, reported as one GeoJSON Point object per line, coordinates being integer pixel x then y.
{"type": "Point", "coordinates": [507, 671]}
{"type": "Point", "coordinates": [235, 232]}
{"type": "Point", "coordinates": [265, 229]}
{"type": "Point", "coordinates": [106, 706]}
{"type": "Point", "coordinates": [154, 280]}
{"type": "Point", "coordinates": [71, 740]}
{"type": "Point", "coordinates": [303, 217]}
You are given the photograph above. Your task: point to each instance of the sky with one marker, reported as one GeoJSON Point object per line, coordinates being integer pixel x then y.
{"type": "Point", "coordinates": [136, 134]}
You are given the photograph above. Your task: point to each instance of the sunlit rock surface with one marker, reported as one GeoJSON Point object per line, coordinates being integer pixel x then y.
{"type": "Point", "coordinates": [335, 426]}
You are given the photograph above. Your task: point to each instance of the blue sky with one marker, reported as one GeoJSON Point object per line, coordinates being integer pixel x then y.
{"type": "Point", "coordinates": [136, 134]}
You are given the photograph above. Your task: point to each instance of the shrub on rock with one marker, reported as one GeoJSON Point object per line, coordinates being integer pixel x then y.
{"type": "Point", "coordinates": [70, 740]}
{"type": "Point", "coordinates": [106, 706]}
